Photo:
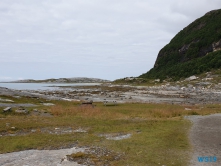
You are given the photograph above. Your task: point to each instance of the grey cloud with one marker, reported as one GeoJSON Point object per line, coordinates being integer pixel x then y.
{"type": "Point", "coordinates": [196, 8]}
{"type": "Point", "coordinates": [53, 38]}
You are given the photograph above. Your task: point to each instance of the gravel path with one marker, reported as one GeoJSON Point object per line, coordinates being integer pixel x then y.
{"type": "Point", "coordinates": [205, 136]}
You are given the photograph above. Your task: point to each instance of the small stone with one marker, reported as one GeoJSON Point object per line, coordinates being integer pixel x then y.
{"type": "Point", "coordinates": [7, 109]}
{"type": "Point", "coordinates": [80, 130]}
{"type": "Point", "coordinates": [21, 110]}
{"type": "Point", "coordinates": [48, 104]}
{"type": "Point", "coordinates": [17, 97]}
{"type": "Point", "coordinates": [191, 78]}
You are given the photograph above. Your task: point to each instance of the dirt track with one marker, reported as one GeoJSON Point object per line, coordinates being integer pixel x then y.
{"type": "Point", "coordinates": [205, 136]}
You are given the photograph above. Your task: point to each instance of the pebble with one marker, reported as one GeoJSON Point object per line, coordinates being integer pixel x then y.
{"type": "Point", "coordinates": [48, 104]}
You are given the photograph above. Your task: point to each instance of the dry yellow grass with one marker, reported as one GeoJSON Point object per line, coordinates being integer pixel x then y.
{"type": "Point", "coordinates": [84, 111]}
{"type": "Point", "coordinates": [133, 110]}
{"type": "Point", "coordinates": [159, 133]}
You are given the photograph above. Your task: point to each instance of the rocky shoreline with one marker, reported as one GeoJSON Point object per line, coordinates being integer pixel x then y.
{"type": "Point", "coordinates": [166, 93]}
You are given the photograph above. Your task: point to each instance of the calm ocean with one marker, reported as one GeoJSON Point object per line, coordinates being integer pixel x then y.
{"type": "Point", "coordinates": [41, 86]}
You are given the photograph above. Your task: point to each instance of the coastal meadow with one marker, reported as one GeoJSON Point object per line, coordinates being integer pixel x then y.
{"type": "Point", "coordinates": [157, 133]}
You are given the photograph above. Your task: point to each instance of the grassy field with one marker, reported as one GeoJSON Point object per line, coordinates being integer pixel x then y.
{"type": "Point", "coordinates": [158, 131]}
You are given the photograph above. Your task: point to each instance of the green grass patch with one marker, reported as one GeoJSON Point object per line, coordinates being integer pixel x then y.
{"type": "Point", "coordinates": [158, 131]}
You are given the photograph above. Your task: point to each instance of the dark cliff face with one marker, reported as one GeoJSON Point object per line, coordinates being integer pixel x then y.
{"type": "Point", "coordinates": [201, 37]}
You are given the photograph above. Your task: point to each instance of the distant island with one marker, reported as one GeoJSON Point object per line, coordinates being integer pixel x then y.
{"type": "Point", "coordinates": [63, 80]}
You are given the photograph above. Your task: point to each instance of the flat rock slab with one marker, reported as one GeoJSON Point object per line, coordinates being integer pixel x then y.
{"type": "Point", "coordinates": [17, 105]}
{"type": "Point", "coordinates": [48, 104]}
{"type": "Point", "coordinates": [6, 100]}
{"type": "Point", "coordinates": [205, 136]}
{"type": "Point", "coordinates": [116, 136]}
{"type": "Point", "coordinates": [39, 158]}
{"type": "Point", "coordinates": [7, 109]}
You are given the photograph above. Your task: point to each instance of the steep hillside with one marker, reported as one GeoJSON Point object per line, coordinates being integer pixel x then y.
{"type": "Point", "coordinates": [195, 49]}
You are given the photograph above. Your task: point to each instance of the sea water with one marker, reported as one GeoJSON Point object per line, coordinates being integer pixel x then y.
{"type": "Point", "coordinates": [42, 86]}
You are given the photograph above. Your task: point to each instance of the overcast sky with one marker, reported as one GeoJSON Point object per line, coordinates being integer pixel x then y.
{"type": "Point", "coordinates": [106, 39]}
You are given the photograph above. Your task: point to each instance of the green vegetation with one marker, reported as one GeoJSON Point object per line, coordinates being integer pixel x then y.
{"type": "Point", "coordinates": [187, 52]}
{"type": "Point", "coordinates": [134, 81]}
{"type": "Point", "coordinates": [158, 131]}
{"type": "Point", "coordinates": [182, 70]}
